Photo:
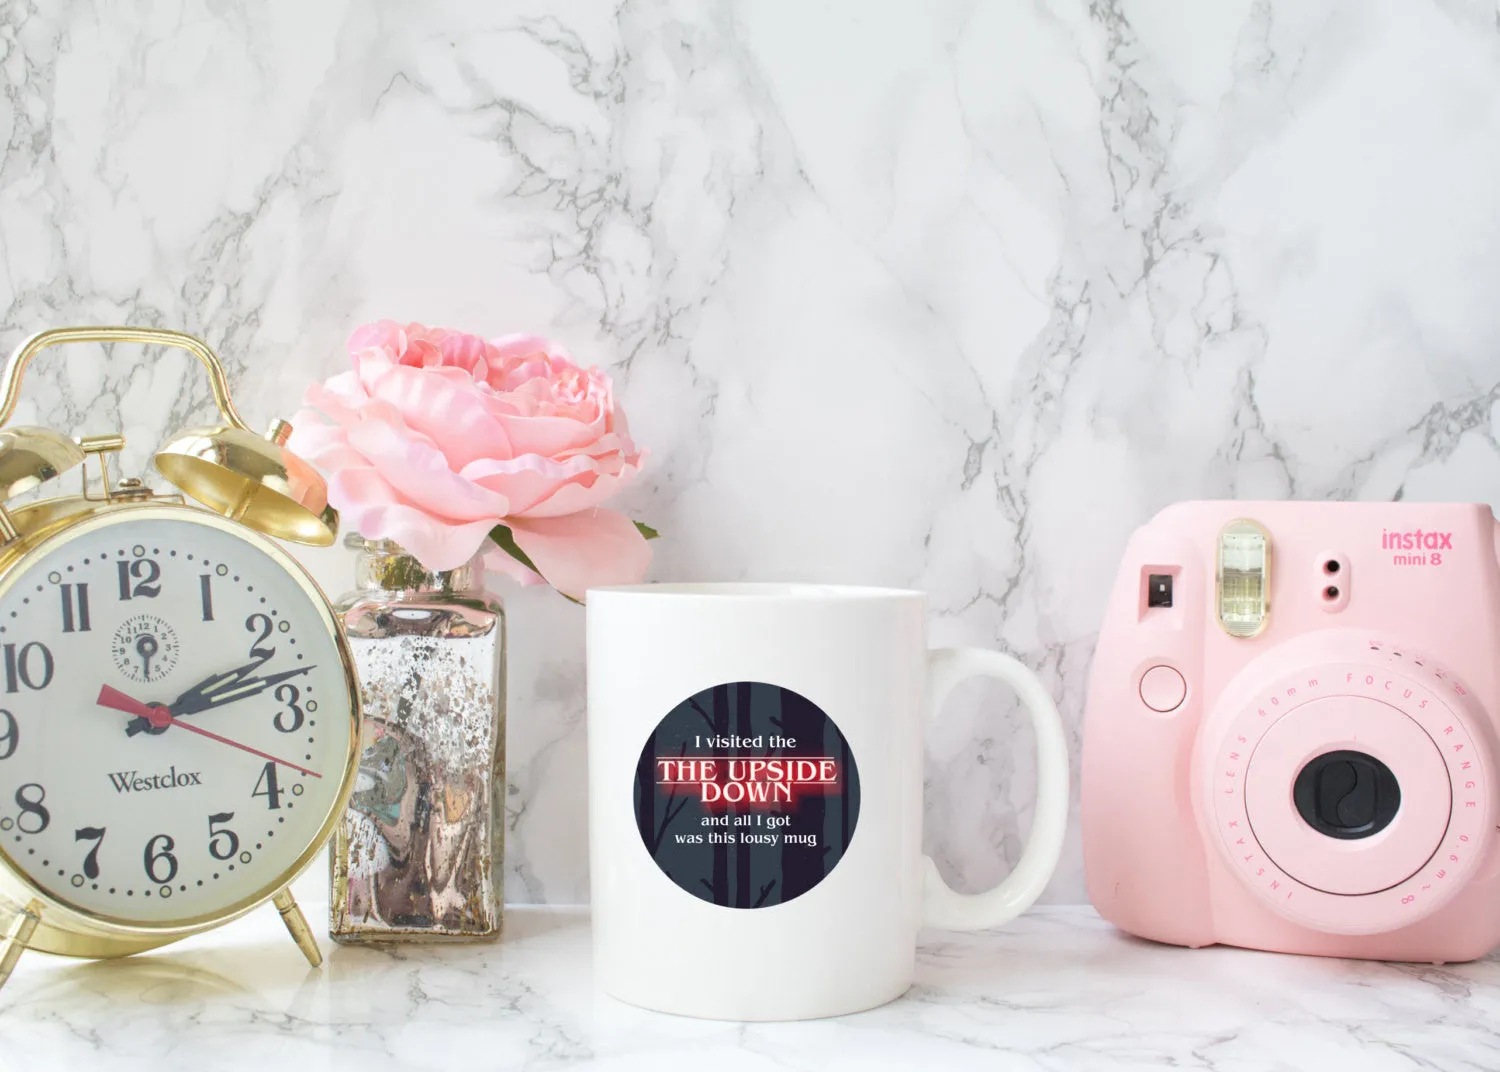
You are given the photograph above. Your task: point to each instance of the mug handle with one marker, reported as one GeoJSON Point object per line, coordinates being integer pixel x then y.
{"type": "Point", "coordinates": [943, 906]}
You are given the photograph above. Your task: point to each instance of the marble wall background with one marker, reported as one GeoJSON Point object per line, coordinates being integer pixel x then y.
{"type": "Point", "coordinates": [949, 295]}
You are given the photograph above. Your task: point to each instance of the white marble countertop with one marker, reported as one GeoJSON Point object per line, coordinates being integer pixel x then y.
{"type": "Point", "coordinates": [1059, 989]}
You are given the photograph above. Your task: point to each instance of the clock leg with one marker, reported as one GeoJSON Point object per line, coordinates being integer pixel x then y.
{"type": "Point", "coordinates": [22, 924]}
{"type": "Point", "coordinates": [296, 923]}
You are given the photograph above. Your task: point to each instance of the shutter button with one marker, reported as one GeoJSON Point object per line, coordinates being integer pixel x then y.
{"type": "Point", "coordinates": [1163, 689]}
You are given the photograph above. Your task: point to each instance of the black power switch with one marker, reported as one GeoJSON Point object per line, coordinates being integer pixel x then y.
{"type": "Point", "coordinates": [1159, 590]}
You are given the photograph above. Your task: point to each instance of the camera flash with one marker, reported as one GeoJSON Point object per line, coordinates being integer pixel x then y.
{"type": "Point", "coordinates": [1244, 578]}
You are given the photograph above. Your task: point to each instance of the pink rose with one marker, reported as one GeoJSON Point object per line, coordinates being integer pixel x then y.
{"type": "Point", "coordinates": [437, 437]}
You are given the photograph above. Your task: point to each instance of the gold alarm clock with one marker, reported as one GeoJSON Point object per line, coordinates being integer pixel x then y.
{"type": "Point", "coordinates": [179, 722]}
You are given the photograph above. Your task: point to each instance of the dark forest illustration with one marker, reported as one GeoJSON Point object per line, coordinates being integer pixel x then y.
{"type": "Point", "coordinates": [746, 854]}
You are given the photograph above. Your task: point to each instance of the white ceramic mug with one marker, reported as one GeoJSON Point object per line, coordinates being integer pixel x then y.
{"type": "Point", "coordinates": [755, 796]}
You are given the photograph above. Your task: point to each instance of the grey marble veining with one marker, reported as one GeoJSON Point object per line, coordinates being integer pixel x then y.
{"type": "Point", "coordinates": [949, 295]}
{"type": "Point", "coordinates": [1058, 991]}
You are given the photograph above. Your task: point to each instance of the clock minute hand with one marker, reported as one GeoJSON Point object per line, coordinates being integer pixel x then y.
{"type": "Point", "coordinates": [201, 699]}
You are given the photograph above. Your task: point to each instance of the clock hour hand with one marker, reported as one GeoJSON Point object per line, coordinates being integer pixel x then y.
{"type": "Point", "coordinates": [200, 695]}
{"type": "Point", "coordinates": [219, 689]}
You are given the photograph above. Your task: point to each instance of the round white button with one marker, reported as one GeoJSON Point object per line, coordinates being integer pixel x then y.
{"type": "Point", "coordinates": [1163, 689]}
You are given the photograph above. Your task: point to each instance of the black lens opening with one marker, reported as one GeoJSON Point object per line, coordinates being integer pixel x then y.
{"type": "Point", "coordinates": [1347, 795]}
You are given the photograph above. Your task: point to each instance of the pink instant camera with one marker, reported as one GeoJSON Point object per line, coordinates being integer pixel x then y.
{"type": "Point", "coordinates": [1291, 732]}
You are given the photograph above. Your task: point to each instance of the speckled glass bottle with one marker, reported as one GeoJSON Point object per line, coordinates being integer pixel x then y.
{"type": "Point", "coordinates": [419, 852]}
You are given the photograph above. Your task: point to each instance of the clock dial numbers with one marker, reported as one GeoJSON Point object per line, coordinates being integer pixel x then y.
{"type": "Point", "coordinates": [260, 625]}
{"type": "Point", "coordinates": [221, 750]}
{"type": "Point", "coordinates": [75, 607]}
{"type": "Point", "coordinates": [223, 842]}
{"type": "Point", "coordinates": [161, 865]}
{"type": "Point", "coordinates": [265, 786]}
{"type": "Point", "coordinates": [288, 694]}
{"type": "Point", "coordinates": [32, 666]}
{"type": "Point", "coordinates": [138, 579]}
{"type": "Point", "coordinates": [91, 861]}
{"type": "Point", "coordinates": [34, 817]}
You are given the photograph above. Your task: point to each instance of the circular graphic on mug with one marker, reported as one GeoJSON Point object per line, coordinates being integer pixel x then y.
{"type": "Point", "coordinates": [746, 795]}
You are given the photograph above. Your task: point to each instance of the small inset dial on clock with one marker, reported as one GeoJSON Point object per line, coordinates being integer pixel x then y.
{"type": "Point", "coordinates": [145, 648]}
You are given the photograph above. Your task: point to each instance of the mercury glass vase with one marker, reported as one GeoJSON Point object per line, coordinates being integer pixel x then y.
{"type": "Point", "coordinates": [419, 852]}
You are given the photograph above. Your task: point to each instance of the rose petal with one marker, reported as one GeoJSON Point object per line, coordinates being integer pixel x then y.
{"type": "Point", "coordinates": [454, 417]}
{"type": "Point", "coordinates": [530, 479]}
{"type": "Point", "coordinates": [421, 474]}
{"type": "Point", "coordinates": [497, 561]}
{"type": "Point", "coordinates": [374, 509]}
{"type": "Point", "coordinates": [338, 398]}
{"type": "Point", "coordinates": [380, 334]}
{"type": "Point", "coordinates": [583, 493]}
{"type": "Point", "coordinates": [547, 435]}
{"type": "Point", "coordinates": [324, 445]}
{"type": "Point", "coordinates": [463, 351]}
{"type": "Point", "coordinates": [589, 549]}
{"type": "Point", "coordinates": [521, 346]}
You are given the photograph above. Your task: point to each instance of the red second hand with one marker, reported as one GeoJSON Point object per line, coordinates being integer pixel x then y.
{"type": "Point", "coordinates": [161, 716]}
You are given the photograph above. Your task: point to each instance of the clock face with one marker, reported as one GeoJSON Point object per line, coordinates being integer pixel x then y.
{"type": "Point", "coordinates": [175, 719]}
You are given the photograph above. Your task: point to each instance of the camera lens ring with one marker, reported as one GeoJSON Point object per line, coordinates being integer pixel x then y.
{"type": "Point", "coordinates": [1354, 890]}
